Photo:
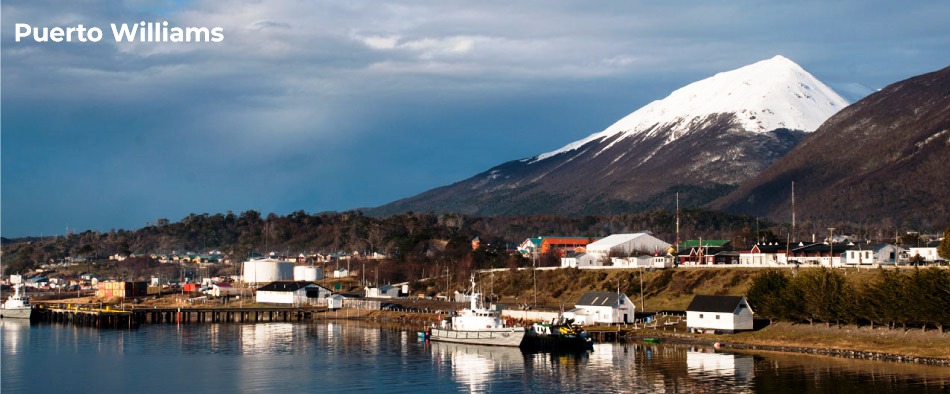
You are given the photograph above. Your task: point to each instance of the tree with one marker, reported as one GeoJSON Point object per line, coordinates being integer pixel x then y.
{"type": "Point", "coordinates": [824, 295]}
{"type": "Point", "coordinates": [767, 294]}
{"type": "Point", "coordinates": [929, 294]}
{"type": "Point", "coordinates": [944, 249]}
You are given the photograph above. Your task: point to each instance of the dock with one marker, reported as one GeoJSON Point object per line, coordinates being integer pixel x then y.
{"type": "Point", "coordinates": [94, 315]}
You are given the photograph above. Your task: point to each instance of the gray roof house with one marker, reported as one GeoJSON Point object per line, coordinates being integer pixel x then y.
{"type": "Point", "coordinates": [602, 307]}
{"type": "Point", "coordinates": [718, 314]}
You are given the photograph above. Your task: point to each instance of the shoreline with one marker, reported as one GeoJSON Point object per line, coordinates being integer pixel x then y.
{"type": "Point", "coordinates": [774, 339]}
{"type": "Point", "coordinates": [849, 342]}
{"type": "Point", "coordinates": [730, 342]}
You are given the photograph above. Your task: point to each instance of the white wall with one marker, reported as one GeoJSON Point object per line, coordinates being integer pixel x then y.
{"type": "Point", "coordinates": [720, 320]}
{"type": "Point", "coordinates": [929, 254]}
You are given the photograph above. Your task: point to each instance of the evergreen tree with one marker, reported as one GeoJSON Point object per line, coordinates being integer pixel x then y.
{"type": "Point", "coordinates": [768, 294]}
{"type": "Point", "coordinates": [944, 249]}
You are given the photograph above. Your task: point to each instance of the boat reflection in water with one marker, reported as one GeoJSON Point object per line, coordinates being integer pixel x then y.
{"type": "Point", "coordinates": [477, 366]}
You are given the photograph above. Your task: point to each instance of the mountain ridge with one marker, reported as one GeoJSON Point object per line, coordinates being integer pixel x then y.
{"type": "Point", "coordinates": [683, 142]}
{"type": "Point", "coordinates": [883, 158]}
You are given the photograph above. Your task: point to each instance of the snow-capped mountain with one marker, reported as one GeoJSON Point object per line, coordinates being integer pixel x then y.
{"type": "Point", "coordinates": [701, 141]}
{"type": "Point", "coordinates": [763, 96]}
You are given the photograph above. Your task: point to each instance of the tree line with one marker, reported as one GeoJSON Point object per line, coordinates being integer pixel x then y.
{"type": "Point", "coordinates": [408, 238]}
{"type": "Point", "coordinates": [917, 298]}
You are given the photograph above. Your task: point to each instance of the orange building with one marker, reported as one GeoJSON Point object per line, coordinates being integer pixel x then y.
{"type": "Point", "coordinates": [564, 244]}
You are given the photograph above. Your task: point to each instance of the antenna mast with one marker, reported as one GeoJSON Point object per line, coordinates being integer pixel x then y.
{"type": "Point", "coordinates": [677, 219]}
{"type": "Point", "coordinates": [793, 207]}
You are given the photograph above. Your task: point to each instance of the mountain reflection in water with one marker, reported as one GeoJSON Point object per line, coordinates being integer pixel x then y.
{"type": "Point", "coordinates": [343, 356]}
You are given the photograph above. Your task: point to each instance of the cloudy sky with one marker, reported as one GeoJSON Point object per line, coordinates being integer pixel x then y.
{"type": "Point", "coordinates": [336, 105]}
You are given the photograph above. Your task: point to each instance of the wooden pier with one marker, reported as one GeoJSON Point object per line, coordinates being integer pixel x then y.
{"type": "Point", "coordinates": [109, 317]}
{"type": "Point", "coordinates": [84, 315]}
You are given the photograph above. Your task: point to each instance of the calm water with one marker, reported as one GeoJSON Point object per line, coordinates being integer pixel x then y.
{"type": "Point", "coordinates": [328, 357]}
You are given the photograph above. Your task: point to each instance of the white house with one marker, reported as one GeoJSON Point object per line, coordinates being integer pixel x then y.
{"type": "Point", "coordinates": [387, 291]}
{"type": "Point", "coordinates": [858, 257]}
{"type": "Point", "coordinates": [625, 245]}
{"type": "Point", "coordinates": [341, 273]}
{"type": "Point", "coordinates": [766, 254]}
{"type": "Point", "coordinates": [888, 254]}
{"type": "Point", "coordinates": [602, 307]}
{"type": "Point", "coordinates": [718, 314]}
{"type": "Point", "coordinates": [928, 252]}
{"type": "Point", "coordinates": [294, 293]}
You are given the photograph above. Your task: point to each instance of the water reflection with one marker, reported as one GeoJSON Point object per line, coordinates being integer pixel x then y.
{"type": "Point", "coordinates": [477, 367]}
{"type": "Point", "coordinates": [12, 333]}
{"type": "Point", "coordinates": [355, 357]}
{"type": "Point", "coordinates": [723, 368]}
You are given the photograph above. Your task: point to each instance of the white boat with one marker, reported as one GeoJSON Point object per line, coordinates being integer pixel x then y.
{"type": "Point", "coordinates": [17, 306]}
{"type": "Point", "coordinates": [477, 326]}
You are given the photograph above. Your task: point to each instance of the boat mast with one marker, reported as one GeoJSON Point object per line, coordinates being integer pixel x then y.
{"type": "Point", "coordinates": [474, 294]}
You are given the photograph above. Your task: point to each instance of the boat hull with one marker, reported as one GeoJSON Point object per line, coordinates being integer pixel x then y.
{"type": "Point", "coordinates": [16, 313]}
{"type": "Point", "coordinates": [509, 336]}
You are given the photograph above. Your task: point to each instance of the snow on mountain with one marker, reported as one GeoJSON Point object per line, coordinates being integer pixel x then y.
{"type": "Point", "coordinates": [771, 94]}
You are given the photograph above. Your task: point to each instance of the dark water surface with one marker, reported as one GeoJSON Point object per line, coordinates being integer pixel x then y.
{"type": "Point", "coordinates": [345, 357]}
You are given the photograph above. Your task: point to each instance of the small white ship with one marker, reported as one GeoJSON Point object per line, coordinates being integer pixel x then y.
{"type": "Point", "coordinates": [477, 326]}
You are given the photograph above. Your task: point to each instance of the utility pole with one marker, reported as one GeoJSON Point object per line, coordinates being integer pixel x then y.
{"type": "Point", "coordinates": [793, 208]}
{"type": "Point", "coordinates": [831, 244]}
{"type": "Point", "coordinates": [677, 243]}
{"type": "Point", "coordinates": [642, 307]}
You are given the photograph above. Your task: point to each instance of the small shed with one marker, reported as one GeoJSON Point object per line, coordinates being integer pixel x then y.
{"type": "Point", "coordinates": [602, 307]}
{"type": "Point", "coordinates": [387, 291]}
{"type": "Point", "coordinates": [224, 289]}
{"type": "Point", "coordinates": [718, 314]}
{"type": "Point", "coordinates": [335, 301]}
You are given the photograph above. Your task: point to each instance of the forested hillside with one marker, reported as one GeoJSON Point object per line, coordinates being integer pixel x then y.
{"type": "Point", "coordinates": [410, 238]}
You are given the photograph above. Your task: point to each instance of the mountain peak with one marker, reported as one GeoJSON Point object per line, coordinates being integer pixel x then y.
{"type": "Point", "coordinates": [771, 94]}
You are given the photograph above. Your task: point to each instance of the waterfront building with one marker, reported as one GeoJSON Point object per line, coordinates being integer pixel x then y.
{"type": "Point", "coordinates": [293, 293]}
{"type": "Point", "coordinates": [602, 307]}
{"type": "Point", "coordinates": [720, 314]}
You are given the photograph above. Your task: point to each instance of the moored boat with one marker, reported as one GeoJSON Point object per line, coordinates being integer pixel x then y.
{"type": "Point", "coordinates": [17, 306]}
{"type": "Point", "coordinates": [477, 325]}
{"type": "Point", "coordinates": [558, 336]}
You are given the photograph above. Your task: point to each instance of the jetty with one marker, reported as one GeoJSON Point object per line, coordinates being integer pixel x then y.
{"type": "Point", "coordinates": [95, 315]}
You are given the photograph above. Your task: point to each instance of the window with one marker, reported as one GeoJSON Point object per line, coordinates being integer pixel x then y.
{"type": "Point", "coordinates": [700, 315]}
{"type": "Point", "coordinates": [717, 317]}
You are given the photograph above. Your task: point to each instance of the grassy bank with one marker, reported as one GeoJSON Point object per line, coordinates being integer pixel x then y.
{"type": "Point", "coordinates": [915, 343]}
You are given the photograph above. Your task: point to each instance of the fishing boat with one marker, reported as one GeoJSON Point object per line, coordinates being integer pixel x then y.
{"type": "Point", "coordinates": [559, 335]}
{"type": "Point", "coordinates": [477, 325]}
{"type": "Point", "coordinates": [17, 306]}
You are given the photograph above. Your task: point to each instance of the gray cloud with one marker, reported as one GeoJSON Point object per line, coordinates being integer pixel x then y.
{"type": "Point", "coordinates": [317, 101]}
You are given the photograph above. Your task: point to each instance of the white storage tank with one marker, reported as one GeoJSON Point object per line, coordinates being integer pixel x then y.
{"type": "Point", "coordinates": [267, 270]}
{"type": "Point", "coordinates": [307, 273]}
